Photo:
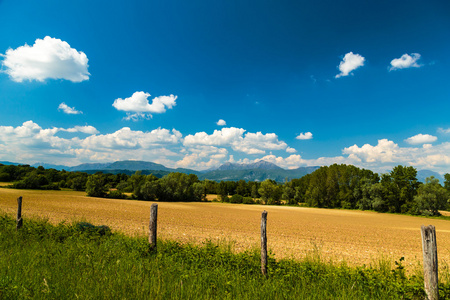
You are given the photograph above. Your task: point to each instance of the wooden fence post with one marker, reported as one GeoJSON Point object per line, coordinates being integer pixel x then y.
{"type": "Point", "coordinates": [430, 262]}
{"type": "Point", "coordinates": [152, 226]}
{"type": "Point", "coordinates": [264, 243]}
{"type": "Point", "coordinates": [19, 221]}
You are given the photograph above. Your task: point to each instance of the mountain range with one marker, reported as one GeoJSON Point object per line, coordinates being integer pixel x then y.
{"type": "Point", "coordinates": [258, 171]}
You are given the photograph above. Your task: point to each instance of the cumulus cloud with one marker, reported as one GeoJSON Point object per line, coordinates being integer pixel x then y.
{"type": "Point", "coordinates": [139, 105]}
{"type": "Point", "coordinates": [221, 122]}
{"type": "Point", "coordinates": [30, 143]}
{"type": "Point", "coordinates": [305, 136]}
{"type": "Point", "coordinates": [82, 129]}
{"type": "Point", "coordinates": [47, 58]}
{"type": "Point", "coordinates": [421, 139]}
{"type": "Point", "coordinates": [349, 63]}
{"type": "Point", "coordinates": [444, 131]}
{"type": "Point", "coordinates": [290, 150]}
{"type": "Point", "coordinates": [405, 61]}
{"type": "Point", "coordinates": [225, 136]}
{"type": "Point", "coordinates": [125, 138]}
{"type": "Point", "coordinates": [68, 110]}
{"type": "Point", "coordinates": [384, 151]}
{"type": "Point", "coordinates": [387, 154]}
{"type": "Point", "coordinates": [250, 143]}
{"type": "Point", "coordinates": [204, 157]}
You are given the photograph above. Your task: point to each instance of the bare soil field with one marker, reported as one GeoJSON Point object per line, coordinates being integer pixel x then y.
{"type": "Point", "coordinates": [356, 237]}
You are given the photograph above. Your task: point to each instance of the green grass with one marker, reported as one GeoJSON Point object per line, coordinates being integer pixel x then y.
{"type": "Point", "coordinates": [43, 261]}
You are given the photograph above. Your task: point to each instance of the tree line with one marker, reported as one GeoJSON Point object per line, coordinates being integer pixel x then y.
{"type": "Point", "coordinates": [335, 186]}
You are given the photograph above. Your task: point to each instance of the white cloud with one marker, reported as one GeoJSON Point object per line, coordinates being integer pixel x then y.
{"type": "Point", "coordinates": [406, 61]}
{"type": "Point", "coordinates": [349, 63]}
{"type": "Point", "coordinates": [68, 110]}
{"type": "Point", "coordinates": [444, 131]}
{"type": "Point", "coordinates": [139, 105]}
{"type": "Point", "coordinates": [305, 136]}
{"type": "Point", "coordinates": [387, 154]}
{"type": "Point", "coordinates": [225, 136]}
{"type": "Point", "coordinates": [250, 143]}
{"type": "Point", "coordinates": [137, 116]}
{"type": "Point", "coordinates": [290, 150]}
{"type": "Point", "coordinates": [204, 157]}
{"type": "Point", "coordinates": [385, 151]}
{"type": "Point", "coordinates": [126, 138]}
{"type": "Point", "coordinates": [47, 58]}
{"type": "Point", "coordinates": [30, 143]}
{"type": "Point", "coordinates": [83, 129]}
{"type": "Point", "coordinates": [221, 122]}
{"type": "Point", "coordinates": [421, 139]}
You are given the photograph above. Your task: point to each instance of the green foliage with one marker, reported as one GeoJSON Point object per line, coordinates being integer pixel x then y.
{"type": "Point", "coordinates": [95, 186]}
{"type": "Point", "coordinates": [270, 192]}
{"type": "Point", "coordinates": [113, 266]}
{"type": "Point", "coordinates": [236, 199]}
{"type": "Point", "coordinates": [248, 200]}
{"type": "Point", "coordinates": [177, 187]}
{"type": "Point", "coordinates": [447, 182]}
{"type": "Point", "coordinates": [431, 197]}
{"type": "Point", "coordinates": [92, 229]}
{"type": "Point", "coordinates": [116, 194]}
{"type": "Point", "coordinates": [223, 191]}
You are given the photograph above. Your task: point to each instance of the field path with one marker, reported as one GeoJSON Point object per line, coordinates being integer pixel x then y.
{"type": "Point", "coordinates": [354, 236]}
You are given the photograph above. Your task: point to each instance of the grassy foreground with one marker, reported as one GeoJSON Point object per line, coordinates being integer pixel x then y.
{"type": "Point", "coordinates": [43, 261]}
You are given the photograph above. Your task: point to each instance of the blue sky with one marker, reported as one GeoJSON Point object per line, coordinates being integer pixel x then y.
{"type": "Point", "coordinates": [195, 84]}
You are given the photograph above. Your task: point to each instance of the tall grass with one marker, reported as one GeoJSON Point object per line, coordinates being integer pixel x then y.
{"type": "Point", "coordinates": [43, 261]}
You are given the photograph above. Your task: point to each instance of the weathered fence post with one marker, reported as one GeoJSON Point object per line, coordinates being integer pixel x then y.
{"type": "Point", "coordinates": [264, 243]}
{"type": "Point", "coordinates": [19, 221]}
{"type": "Point", "coordinates": [152, 226]}
{"type": "Point", "coordinates": [430, 262]}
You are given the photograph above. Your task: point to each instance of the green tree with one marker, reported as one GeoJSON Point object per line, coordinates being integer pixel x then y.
{"type": "Point", "coordinates": [447, 182]}
{"type": "Point", "coordinates": [242, 188]}
{"type": "Point", "coordinates": [149, 190]}
{"type": "Point", "coordinates": [401, 186]}
{"type": "Point", "coordinates": [288, 192]}
{"type": "Point", "coordinates": [136, 181]}
{"type": "Point", "coordinates": [95, 186]}
{"type": "Point", "coordinates": [270, 192]}
{"type": "Point", "coordinates": [178, 187]}
{"type": "Point", "coordinates": [222, 191]}
{"type": "Point", "coordinates": [431, 197]}
{"type": "Point", "coordinates": [78, 183]}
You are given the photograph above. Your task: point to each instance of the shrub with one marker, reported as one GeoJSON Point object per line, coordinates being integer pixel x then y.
{"type": "Point", "coordinates": [115, 194]}
{"type": "Point", "coordinates": [92, 229]}
{"type": "Point", "coordinates": [248, 200]}
{"type": "Point", "coordinates": [236, 199]}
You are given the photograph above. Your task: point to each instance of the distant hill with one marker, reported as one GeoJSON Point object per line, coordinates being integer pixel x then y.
{"type": "Point", "coordinates": [51, 166]}
{"type": "Point", "coordinates": [258, 171]}
{"type": "Point", "coordinates": [91, 166]}
{"type": "Point", "coordinates": [263, 165]}
{"type": "Point", "coordinates": [135, 165]}
{"type": "Point", "coordinates": [422, 175]}
{"type": "Point", "coordinates": [7, 163]}
{"type": "Point", "coordinates": [129, 167]}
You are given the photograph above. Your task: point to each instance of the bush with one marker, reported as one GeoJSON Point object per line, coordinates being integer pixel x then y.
{"type": "Point", "coordinates": [236, 199]}
{"type": "Point", "coordinates": [115, 194]}
{"type": "Point", "coordinates": [248, 200]}
{"type": "Point", "coordinates": [92, 229]}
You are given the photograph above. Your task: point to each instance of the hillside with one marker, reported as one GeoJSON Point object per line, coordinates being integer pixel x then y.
{"type": "Point", "coordinates": [258, 171]}
{"type": "Point", "coordinates": [257, 174]}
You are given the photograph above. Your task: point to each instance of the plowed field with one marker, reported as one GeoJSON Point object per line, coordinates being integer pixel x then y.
{"type": "Point", "coordinates": [354, 236]}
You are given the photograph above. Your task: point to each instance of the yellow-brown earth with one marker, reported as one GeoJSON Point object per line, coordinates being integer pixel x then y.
{"type": "Point", "coordinates": [354, 236]}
